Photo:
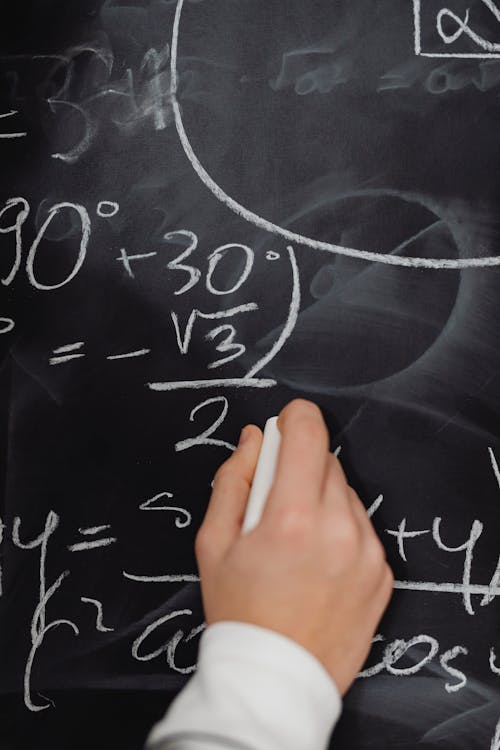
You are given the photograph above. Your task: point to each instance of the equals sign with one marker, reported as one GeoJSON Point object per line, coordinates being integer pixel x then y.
{"type": "Point", "coordinates": [92, 543]}
{"type": "Point", "coordinates": [66, 353]}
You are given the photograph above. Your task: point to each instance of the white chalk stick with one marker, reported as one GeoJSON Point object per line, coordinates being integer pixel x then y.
{"type": "Point", "coordinates": [264, 475]}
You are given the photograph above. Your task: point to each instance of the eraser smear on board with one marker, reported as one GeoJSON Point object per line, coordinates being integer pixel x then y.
{"type": "Point", "coordinates": [264, 475]}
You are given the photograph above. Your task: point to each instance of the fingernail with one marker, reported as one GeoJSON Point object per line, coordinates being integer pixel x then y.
{"type": "Point", "coordinates": [244, 435]}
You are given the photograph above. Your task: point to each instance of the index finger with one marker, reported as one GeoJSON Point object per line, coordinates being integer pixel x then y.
{"type": "Point", "coordinates": [303, 457]}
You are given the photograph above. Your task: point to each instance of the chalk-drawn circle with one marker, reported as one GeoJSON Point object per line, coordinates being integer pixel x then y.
{"type": "Point", "coordinates": [6, 325]}
{"type": "Point", "coordinates": [276, 229]}
{"type": "Point", "coordinates": [106, 209]}
{"type": "Point", "coordinates": [272, 255]}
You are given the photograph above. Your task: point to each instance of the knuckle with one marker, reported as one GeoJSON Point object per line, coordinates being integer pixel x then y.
{"type": "Point", "coordinates": [294, 522]}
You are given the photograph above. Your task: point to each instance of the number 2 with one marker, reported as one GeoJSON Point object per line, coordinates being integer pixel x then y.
{"type": "Point", "coordinates": [204, 437]}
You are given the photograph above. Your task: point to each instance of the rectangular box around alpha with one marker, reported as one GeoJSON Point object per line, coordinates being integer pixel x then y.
{"type": "Point", "coordinates": [457, 28]}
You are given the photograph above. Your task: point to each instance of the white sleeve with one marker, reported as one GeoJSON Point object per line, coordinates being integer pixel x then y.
{"type": "Point", "coordinates": [254, 689]}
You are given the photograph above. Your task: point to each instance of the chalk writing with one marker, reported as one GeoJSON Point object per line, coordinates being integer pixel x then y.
{"type": "Point", "coordinates": [99, 625]}
{"type": "Point", "coordinates": [399, 648]}
{"type": "Point", "coordinates": [39, 625]}
{"type": "Point", "coordinates": [182, 518]}
{"type": "Point", "coordinates": [22, 213]}
{"type": "Point", "coordinates": [183, 341]}
{"type": "Point", "coordinates": [174, 254]}
{"type": "Point", "coordinates": [204, 438]}
{"type": "Point", "coordinates": [107, 209]}
{"type": "Point", "coordinates": [66, 353]}
{"type": "Point", "coordinates": [82, 251]}
{"type": "Point", "coordinates": [488, 49]}
{"type": "Point", "coordinates": [177, 265]}
{"type": "Point", "coordinates": [249, 380]}
{"type": "Point", "coordinates": [129, 355]}
{"type": "Point", "coordinates": [495, 742]}
{"type": "Point", "coordinates": [214, 260]}
{"type": "Point", "coordinates": [464, 28]}
{"type": "Point", "coordinates": [275, 229]}
{"type": "Point", "coordinates": [444, 659]}
{"type": "Point", "coordinates": [125, 259]}
{"type": "Point", "coordinates": [170, 647]}
{"type": "Point", "coordinates": [401, 535]}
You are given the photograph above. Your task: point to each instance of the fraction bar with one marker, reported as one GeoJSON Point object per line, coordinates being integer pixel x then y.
{"type": "Point", "coordinates": [177, 385]}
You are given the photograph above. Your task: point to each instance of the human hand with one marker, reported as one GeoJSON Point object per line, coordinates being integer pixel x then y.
{"type": "Point", "coordinates": [313, 569]}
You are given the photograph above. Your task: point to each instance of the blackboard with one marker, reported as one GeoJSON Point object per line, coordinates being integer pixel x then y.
{"type": "Point", "coordinates": [208, 208]}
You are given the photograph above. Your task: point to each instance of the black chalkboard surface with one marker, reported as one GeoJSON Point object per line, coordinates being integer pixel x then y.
{"type": "Point", "coordinates": [208, 208]}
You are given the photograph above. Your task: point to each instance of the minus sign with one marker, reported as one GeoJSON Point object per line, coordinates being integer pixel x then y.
{"type": "Point", "coordinates": [138, 353]}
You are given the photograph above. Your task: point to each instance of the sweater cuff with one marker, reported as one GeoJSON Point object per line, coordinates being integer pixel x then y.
{"type": "Point", "coordinates": [255, 687]}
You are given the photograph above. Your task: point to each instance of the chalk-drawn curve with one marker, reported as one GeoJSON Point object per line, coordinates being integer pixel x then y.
{"type": "Point", "coordinates": [289, 236]}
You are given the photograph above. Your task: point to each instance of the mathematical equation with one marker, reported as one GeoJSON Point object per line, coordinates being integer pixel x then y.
{"type": "Point", "coordinates": [223, 334]}
{"type": "Point", "coordinates": [101, 535]}
{"type": "Point", "coordinates": [149, 96]}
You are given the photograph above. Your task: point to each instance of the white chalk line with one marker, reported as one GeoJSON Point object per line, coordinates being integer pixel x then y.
{"type": "Point", "coordinates": [175, 385]}
{"type": "Point", "coordinates": [450, 55]}
{"type": "Point", "coordinates": [494, 465]}
{"type": "Point", "coordinates": [461, 55]}
{"type": "Point", "coordinates": [170, 578]}
{"type": "Point", "coordinates": [291, 320]}
{"type": "Point", "coordinates": [464, 28]}
{"type": "Point", "coordinates": [448, 588]}
{"type": "Point", "coordinates": [99, 625]}
{"type": "Point", "coordinates": [66, 358]}
{"type": "Point", "coordinates": [127, 355]}
{"type": "Point", "coordinates": [69, 347]}
{"type": "Point", "coordinates": [94, 529]}
{"type": "Point", "coordinates": [417, 27]}
{"type": "Point", "coordinates": [268, 226]}
{"type": "Point", "coordinates": [85, 546]}
{"type": "Point", "coordinates": [248, 381]}
{"type": "Point", "coordinates": [495, 741]}
{"type": "Point", "coordinates": [420, 586]}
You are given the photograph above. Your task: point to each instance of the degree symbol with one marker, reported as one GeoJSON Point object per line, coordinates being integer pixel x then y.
{"type": "Point", "coordinates": [272, 255]}
{"type": "Point", "coordinates": [106, 209]}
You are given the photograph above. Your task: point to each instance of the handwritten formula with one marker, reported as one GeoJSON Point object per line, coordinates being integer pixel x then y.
{"type": "Point", "coordinates": [208, 209]}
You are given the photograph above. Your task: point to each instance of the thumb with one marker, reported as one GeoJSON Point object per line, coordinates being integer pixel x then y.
{"type": "Point", "coordinates": [221, 526]}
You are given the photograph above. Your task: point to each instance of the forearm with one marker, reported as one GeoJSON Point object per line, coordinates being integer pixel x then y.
{"type": "Point", "coordinates": [254, 690]}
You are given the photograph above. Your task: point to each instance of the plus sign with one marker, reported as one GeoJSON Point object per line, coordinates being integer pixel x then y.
{"type": "Point", "coordinates": [401, 534]}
